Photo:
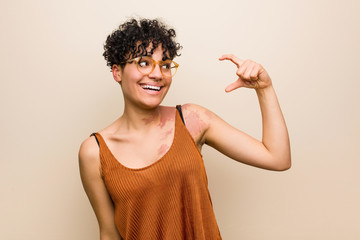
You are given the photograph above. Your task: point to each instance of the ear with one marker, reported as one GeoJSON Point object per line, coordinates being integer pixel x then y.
{"type": "Point", "coordinates": [117, 73]}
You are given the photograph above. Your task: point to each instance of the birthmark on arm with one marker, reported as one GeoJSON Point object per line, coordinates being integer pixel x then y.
{"type": "Point", "coordinates": [195, 124]}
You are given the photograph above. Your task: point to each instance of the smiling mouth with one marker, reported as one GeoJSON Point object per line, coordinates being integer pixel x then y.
{"type": "Point", "coordinates": [152, 88]}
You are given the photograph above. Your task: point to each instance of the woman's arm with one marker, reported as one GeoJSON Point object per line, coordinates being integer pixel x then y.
{"type": "Point", "coordinates": [89, 163]}
{"type": "Point", "coordinates": [273, 152]}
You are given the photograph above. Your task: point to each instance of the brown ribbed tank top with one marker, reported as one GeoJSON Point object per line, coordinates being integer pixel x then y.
{"type": "Point", "coordinates": [168, 199]}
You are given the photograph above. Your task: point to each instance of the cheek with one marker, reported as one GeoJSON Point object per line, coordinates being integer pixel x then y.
{"type": "Point", "coordinates": [168, 84]}
{"type": "Point", "coordinates": [129, 80]}
{"type": "Point", "coordinates": [131, 73]}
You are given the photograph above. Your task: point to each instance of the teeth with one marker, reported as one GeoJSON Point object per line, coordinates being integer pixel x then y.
{"type": "Point", "coordinates": [151, 87]}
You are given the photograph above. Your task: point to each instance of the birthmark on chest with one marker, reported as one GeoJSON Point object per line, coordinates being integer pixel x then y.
{"type": "Point", "coordinates": [150, 119]}
{"type": "Point", "coordinates": [167, 134]}
{"type": "Point", "coordinates": [166, 115]}
{"type": "Point", "coordinates": [165, 118]}
{"type": "Point", "coordinates": [163, 149]}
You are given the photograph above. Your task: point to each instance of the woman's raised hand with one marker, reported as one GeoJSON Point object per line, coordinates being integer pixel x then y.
{"type": "Point", "coordinates": [250, 73]}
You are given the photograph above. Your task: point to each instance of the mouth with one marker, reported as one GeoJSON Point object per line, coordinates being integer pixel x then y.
{"type": "Point", "coordinates": [151, 87]}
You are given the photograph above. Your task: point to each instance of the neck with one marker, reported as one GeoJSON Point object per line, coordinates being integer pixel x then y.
{"type": "Point", "coordinates": [141, 119]}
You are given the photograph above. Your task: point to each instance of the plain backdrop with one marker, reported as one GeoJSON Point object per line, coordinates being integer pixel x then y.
{"type": "Point", "coordinates": [56, 90]}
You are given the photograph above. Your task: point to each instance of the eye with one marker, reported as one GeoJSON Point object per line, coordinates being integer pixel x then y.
{"type": "Point", "coordinates": [143, 62]}
{"type": "Point", "coordinates": [166, 65]}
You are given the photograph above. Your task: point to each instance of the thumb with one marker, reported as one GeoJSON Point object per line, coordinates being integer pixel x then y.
{"type": "Point", "coordinates": [233, 86]}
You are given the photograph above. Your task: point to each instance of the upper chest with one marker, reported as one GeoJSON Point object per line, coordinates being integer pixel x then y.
{"type": "Point", "coordinates": [141, 149]}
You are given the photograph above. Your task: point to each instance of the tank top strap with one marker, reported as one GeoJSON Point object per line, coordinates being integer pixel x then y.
{"type": "Point", "coordinates": [178, 107]}
{"type": "Point", "coordinates": [100, 141]}
{"type": "Point", "coordinates": [104, 151]}
{"type": "Point", "coordinates": [97, 140]}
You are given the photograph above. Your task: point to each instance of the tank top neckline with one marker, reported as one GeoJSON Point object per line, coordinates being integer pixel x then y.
{"type": "Point", "coordinates": [117, 162]}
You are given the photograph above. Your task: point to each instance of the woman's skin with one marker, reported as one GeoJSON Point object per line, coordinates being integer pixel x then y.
{"type": "Point", "coordinates": [145, 131]}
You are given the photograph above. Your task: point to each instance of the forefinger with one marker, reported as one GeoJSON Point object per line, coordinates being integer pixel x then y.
{"type": "Point", "coordinates": [237, 61]}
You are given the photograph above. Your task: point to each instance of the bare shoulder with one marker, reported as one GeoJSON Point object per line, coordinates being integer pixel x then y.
{"type": "Point", "coordinates": [197, 119]}
{"type": "Point", "coordinates": [89, 158]}
{"type": "Point", "coordinates": [196, 112]}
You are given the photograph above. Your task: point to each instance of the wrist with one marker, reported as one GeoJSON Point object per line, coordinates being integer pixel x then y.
{"type": "Point", "coordinates": [265, 90]}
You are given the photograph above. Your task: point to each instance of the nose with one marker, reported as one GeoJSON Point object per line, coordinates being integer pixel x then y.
{"type": "Point", "coordinates": [156, 73]}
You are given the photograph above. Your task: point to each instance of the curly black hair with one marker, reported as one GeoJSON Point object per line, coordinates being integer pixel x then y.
{"type": "Point", "coordinates": [133, 38]}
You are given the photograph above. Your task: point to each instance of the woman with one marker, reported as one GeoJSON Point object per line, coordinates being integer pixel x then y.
{"type": "Point", "coordinates": [143, 173]}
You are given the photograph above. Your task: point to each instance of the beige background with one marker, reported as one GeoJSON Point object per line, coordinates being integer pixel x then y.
{"type": "Point", "coordinates": [56, 89]}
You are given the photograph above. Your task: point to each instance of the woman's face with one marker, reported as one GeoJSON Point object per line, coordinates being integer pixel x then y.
{"type": "Point", "coordinates": [139, 90]}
